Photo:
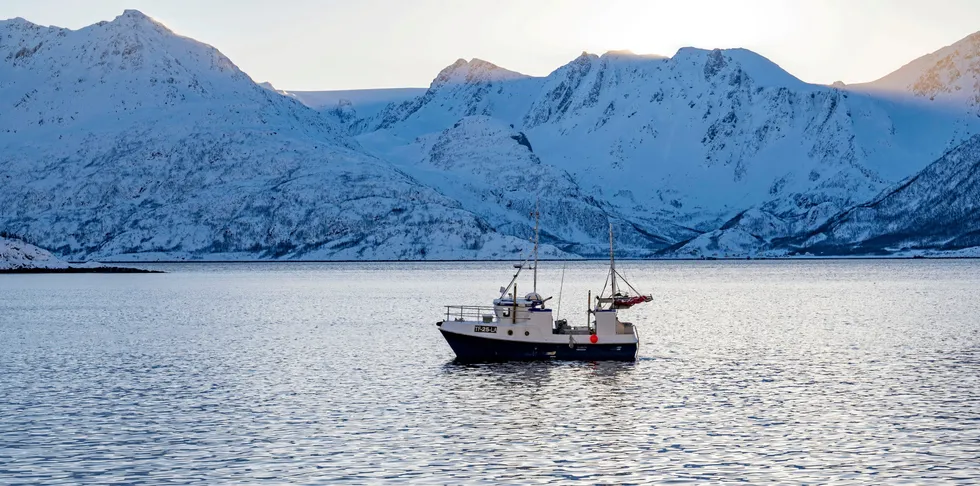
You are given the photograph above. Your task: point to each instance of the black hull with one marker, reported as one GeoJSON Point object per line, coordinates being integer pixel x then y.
{"type": "Point", "coordinates": [472, 349]}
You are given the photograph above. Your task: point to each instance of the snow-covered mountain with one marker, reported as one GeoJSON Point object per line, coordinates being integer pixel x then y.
{"type": "Point", "coordinates": [125, 138]}
{"type": "Point", "coordinates": [950, 76]}
{"type": "Point", "coordinates": [723, 143]}
{"type": "Point", "coordinates": [937, 209]}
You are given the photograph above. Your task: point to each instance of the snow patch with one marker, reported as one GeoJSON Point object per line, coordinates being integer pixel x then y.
{"type": "Point", "coordinates": [18, 255]}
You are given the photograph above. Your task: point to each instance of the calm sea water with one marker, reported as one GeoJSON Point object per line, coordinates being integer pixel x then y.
{"type": "Point", "coordinates": [795, 372]}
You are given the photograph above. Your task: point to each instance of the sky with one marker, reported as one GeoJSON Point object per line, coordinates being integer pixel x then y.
{"type": "Point", "coordinates": [354, 44]}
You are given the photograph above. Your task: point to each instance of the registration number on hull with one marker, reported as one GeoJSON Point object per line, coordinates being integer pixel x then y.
{"type": "Point", "coordinates": [492, 329]}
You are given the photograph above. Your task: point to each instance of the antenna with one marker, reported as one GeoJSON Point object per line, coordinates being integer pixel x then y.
{"type": "Point", "coordinates": [537, 239]}
{"type": "Point", "coordinates": [612, 261]}
{"type": "Point", "coordinates": [561, 287]}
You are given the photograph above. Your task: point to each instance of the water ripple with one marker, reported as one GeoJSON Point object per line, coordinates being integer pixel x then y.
{"type": "Point", "coordinates": [806, 372]}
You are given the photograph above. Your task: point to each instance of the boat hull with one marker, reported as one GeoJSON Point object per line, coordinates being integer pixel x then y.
{"type": "Point", "coordinates": [478, 349]}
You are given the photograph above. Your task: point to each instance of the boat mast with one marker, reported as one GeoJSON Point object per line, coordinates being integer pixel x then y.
{"type": "Point", "coordinates": [612, 261]}
{"type": "Point", "coordinates": [537, 239]}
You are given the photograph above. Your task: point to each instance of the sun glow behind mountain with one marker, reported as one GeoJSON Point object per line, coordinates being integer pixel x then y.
{"type": "Point", "coordinates": [646, 27]}
{"type": "Point", "coordinates": [345, 44]}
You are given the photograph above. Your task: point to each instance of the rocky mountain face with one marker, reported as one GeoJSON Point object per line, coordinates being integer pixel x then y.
{"type": "Point", "coordinates": [125, 139]}
{"type": "Point", "coordinates": [936, 209]}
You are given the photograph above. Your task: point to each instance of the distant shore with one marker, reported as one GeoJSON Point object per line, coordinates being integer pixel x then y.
{"type": "Point", "coordinates": [728, 259]}
{"type": "Point", "coordinates": [77, 270]}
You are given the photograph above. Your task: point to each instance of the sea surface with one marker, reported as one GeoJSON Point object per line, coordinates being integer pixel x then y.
{"type": "Point", "coordinates": [759, 371]}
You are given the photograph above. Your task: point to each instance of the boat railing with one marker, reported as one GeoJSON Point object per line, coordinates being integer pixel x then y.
{"type": "Point", "coordinates": [624, 328]}
{"type": "Point", "coordinates": [479, 313]}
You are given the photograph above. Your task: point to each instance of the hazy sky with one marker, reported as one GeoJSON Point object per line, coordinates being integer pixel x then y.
{"type": "Point", "coordinates": [342, 44]}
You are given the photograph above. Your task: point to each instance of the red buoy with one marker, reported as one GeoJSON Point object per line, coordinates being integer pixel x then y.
{"type": "Point", "coordinates": [594, 339]}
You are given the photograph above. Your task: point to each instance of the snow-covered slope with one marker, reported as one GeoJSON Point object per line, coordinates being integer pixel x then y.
{"type": "Point", "coordinates": [493, 170]}
{"type": "Point", "coordinates": [949, 76]}
{"type": "Point", "coordinates": [125, 138]}
{"type": "Point", "coordinates": [937, 209]}
{"type": "Point", "coordinates": [18, 255]}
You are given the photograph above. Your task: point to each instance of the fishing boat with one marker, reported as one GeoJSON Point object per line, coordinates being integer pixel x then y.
{"type": "Point", "coordinates": [523, 328]}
